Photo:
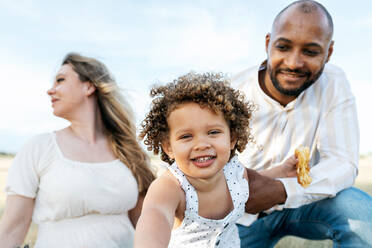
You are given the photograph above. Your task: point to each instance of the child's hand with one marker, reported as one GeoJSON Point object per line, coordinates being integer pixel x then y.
{"type": "Point", "coordinates": [288, 167]}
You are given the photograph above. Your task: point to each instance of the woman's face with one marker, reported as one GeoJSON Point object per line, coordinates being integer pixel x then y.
{"type": "Point", "coordinates": [68, 93]}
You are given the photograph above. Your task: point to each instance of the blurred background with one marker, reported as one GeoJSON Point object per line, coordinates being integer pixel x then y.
{"type": "Point", "coordinates": [152, 42]}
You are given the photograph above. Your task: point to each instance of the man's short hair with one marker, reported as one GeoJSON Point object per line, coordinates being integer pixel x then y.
{"type": "Point", "coordinates": [308, 6]}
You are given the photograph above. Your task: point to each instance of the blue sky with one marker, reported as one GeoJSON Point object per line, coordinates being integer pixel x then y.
{"type": "Point", "coordinates": [150, 42]}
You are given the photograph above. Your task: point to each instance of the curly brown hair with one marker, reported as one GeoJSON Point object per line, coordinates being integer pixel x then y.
{"type": "Point", "coordinates": [210, 90]}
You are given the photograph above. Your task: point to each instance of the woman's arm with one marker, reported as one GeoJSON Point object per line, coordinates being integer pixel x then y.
{"type": "Point", "coordinates": [155, 224]}
{"type": "Point", "coordinates": [16, 220]}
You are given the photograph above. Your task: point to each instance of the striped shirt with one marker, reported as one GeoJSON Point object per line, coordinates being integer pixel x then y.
{"type": "Point", "coordinates": [323, 117]}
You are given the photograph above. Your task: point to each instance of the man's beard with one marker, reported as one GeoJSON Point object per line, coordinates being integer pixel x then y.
{"type": "Point", "coordinates": [293, 92]}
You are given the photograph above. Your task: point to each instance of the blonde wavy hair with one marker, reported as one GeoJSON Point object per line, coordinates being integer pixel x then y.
{"type": "Point", "coordinates": [116, 115]}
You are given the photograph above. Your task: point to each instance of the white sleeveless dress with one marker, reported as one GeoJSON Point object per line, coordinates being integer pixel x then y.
{"type": "Point", "coordinates": [76, 204]}
{"type": "Point", "coordinates": [198, 232]}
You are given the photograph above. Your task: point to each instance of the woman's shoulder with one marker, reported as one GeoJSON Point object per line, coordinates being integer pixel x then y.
{"type": "Point", "coordinates": [37, 149]}
{"type": "Point", "coordinates": [37, 142]}
{"type": "Point", "coordinates": [40, 139]}
{"type": "Point", "coordinates": [28, 165]}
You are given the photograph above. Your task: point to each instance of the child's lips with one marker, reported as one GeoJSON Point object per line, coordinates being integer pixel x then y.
{"type": "Point", "coordinates": [203, 161]}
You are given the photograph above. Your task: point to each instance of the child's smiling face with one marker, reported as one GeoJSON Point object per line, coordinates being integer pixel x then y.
{"type": "Point", "coordinates": [199, 140]}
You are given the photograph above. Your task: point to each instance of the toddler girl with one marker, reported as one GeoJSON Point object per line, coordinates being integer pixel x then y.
{"type": "Point", "coordinates": [197, 123]}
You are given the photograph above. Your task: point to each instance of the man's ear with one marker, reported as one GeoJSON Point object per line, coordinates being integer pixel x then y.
{"type": "Point", "coordinates": [267, 42]}
{"type": "Point", "coordinates": [165, 145]}
{"type": "Point", "coordinates": [330, 51]}
{"type": "Point", "coordinates": [89, 88]}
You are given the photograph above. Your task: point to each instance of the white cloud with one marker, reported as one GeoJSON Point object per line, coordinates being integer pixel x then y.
{"type": "Point", "coordinates": [195, 39]}
{"type": "Point", "coordinates": [364, 22]}
{"type": "Point", "coordinates": [142, 43]}
{"type": "Point", "coordinates": [23, 8]}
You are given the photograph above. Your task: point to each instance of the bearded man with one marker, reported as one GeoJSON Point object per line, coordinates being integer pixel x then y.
{"type": "Point", "coordinates": [303, 100]}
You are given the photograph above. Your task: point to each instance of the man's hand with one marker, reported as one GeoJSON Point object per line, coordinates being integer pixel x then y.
{"type": "Point", "coordinates": [264, 193]}
{"type": "Point", "coordinates": [288, 167]}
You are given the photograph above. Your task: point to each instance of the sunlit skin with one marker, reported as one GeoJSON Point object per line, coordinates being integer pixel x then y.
{"type": "Point", "coordinates": [298, 48]}
{"type": "Point", "coordinates": [76, 102]}
{"type": "Point", "coordinates": [199, 141]}
{"type": "Point", "coordinates": [69, 94]}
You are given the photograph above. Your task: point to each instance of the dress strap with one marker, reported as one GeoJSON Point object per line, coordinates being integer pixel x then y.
{"type": "Point", "coordinates": [190, 192]}
{"type": "Point", "coordinates": [237, 184]}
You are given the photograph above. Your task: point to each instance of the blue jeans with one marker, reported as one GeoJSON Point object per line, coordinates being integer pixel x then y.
{"type": "Point", "coordinates": [345, 219]}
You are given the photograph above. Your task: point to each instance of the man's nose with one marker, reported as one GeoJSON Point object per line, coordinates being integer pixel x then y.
{"type": "Point", "coordinates": [294, 60]}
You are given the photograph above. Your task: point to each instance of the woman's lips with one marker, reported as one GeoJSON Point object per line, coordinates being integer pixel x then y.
{"type": "Point", "coordinates": [53, 100]}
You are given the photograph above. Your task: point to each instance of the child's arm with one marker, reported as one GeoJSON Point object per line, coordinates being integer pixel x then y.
{"type": "Point", "coordinates": [157, 217]}
{"type": "Point", "coordinates": [286, 169]}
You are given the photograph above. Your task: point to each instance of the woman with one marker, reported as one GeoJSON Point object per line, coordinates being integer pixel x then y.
{"type": "Point", "coordinates": [83, 185]}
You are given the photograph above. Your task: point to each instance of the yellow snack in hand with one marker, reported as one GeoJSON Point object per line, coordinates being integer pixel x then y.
{"type": "Point", "coordinates": [303, 155]}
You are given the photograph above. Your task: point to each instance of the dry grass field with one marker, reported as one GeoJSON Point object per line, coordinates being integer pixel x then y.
{"type": "Point", "coordinates": [364, 182]}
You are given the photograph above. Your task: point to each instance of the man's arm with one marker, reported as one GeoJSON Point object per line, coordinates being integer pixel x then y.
{"type": "Point", "coordinates": [337, 144]}
{"type": "Point", "coordinates": [264, 192]}
{"type": "Point", "coordinates": [286, 169]}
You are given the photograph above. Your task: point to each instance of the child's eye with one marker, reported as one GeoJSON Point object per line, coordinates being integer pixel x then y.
{"type": "Point", "coordinates": [60, 80]}
{"type": "Point", "coordinates": [212, 132]}
{"type": "Point", "coordinates": [185, 136]}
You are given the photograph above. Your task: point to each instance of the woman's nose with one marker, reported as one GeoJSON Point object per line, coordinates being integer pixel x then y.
{"type": "Point", "coordinates": [51, 91]}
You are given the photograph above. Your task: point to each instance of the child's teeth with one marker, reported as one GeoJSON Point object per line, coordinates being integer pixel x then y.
{"type": "Point", "coordinates": [203, 159]}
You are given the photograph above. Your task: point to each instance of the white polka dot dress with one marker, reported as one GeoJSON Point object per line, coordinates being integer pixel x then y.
{"type": "Point", "coordinates": [198, 232]}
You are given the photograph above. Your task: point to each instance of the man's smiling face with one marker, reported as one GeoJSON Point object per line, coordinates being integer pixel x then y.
{"type": "Point", "coordinates": [298, 48]}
